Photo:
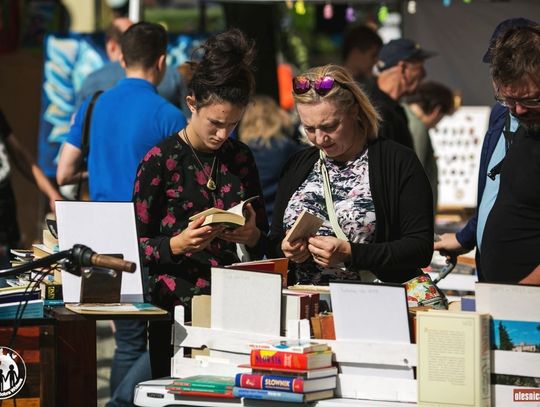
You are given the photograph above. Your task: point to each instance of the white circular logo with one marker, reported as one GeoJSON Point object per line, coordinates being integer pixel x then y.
{"type": "Point", "coordinates": [12, 372]}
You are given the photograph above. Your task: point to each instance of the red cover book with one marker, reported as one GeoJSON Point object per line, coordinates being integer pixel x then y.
{"type": "Point", "coordinates": [262, 358]}
{"type": "Point", "coordinates": [227, 395]}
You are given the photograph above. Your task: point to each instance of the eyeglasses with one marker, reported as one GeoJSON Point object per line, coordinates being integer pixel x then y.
{"type": "Point", "coordinates": [322, 85]}
{"type": "Point", "coordinates": [510, 102]}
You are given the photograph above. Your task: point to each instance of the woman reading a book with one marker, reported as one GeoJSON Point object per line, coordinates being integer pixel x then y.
{"type": "Point", "coordinates": [378, 194]}
{"type": "Point", "coordinates": [199, 168]}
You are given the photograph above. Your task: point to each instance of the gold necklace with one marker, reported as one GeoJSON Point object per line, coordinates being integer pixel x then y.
{"type": "Point", "coordinates": [210, 183]}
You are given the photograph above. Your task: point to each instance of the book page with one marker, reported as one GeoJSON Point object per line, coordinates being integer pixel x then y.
{"type": "Point", "coordinates": [239, 209]}
{"type": "Point", "coordinates": [305, 225]}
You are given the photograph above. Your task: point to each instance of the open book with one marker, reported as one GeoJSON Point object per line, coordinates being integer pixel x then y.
{"type": "Point", "coordinates": [305, 226]}
{"type": "Point", "coordinates": [233, 217]}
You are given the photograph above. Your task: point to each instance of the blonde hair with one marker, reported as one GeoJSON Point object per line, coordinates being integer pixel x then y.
{"type": "Point", "coordinates": [264, 120]}
{"type": "Point", "coordinates": [346, 94]}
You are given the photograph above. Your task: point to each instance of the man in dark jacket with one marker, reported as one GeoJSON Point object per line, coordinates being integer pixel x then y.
{"type": "Point", "coordinates": [493, 152]}
{"type": "Point", "coordinates": [401, 69]}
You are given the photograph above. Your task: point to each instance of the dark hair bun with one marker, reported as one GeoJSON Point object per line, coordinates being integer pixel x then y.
{"type": "Point", "coordinates": [224, 73]}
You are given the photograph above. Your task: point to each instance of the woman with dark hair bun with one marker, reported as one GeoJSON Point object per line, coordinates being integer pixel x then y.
{"type": "Point", "coordinates": [198, 168]}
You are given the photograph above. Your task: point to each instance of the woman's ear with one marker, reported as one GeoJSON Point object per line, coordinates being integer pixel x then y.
{"type": "Point", "coordinates": [191, 103]}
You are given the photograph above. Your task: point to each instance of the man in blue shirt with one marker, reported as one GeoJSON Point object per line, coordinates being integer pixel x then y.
{"type": "Point", "coordinates": [493, 152]}
{"type": "Point", "coordinates": [127, 121]}
{"type": "Point", "coordinates": [171, 87]}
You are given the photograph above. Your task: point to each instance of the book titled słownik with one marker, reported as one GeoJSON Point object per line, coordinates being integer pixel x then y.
{"type": "Point", "coordinates": [284, 383]}
{"type": "Point", "coordinates": [453, 359]}
{"type": "Point", "coordinates": [232, 218]}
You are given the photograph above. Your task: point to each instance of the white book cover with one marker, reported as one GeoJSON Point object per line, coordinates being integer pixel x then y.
{"type": "Point", "coordinates": [371, 312]}
{"type": "Point", "coordinates": [106, 228]}
{"type": "Point", "coordinates": [246, 301]}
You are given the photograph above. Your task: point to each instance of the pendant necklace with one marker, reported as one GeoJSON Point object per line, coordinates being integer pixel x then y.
{"type": "Point", "coordinates": [210, 183]}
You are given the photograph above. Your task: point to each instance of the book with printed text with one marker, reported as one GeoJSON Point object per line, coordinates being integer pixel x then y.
{"type": "Point", "coordinates": [284, 383]}
{"type": "Point", "coordinates": [306, 374]}
{"type": "Point", "coordinates": [232, 218]}
{"type": "Point", "coordinates": [453, 359]}
{"type": "Point", "coordinates": [291, 345]}
{"type": "Point", "coordinates": [285, 396]}
{"type": "Point", "coordinates": [261, 358]}
{"type": "Point", "coordinates": [205, 382]}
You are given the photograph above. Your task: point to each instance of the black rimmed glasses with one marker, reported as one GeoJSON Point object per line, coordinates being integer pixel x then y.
{"type": "Point", "coordinates": [322, 85]}
{"type": "Point", "coordinates": [511, 102]}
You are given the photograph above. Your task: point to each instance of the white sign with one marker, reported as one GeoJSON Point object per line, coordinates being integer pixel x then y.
{"type": "Point", "coordinates": [457, 143]}
{"type": "Point", "coordinates": [106, 228]}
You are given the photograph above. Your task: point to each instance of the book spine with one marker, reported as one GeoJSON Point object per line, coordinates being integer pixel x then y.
{"type": "Point", "coordinates": [485, 359]}
{"type": "Point", "coordinates": [269, 382]}
{"type": "Point", "coordinates": [287, 360]}
{"type": "Point", "coordinates": [190, 389]}
{"type": "Point", "coordinates": [228, 395]}
{"type": "Point", "coordinates": [51, 291]}
{"type": "Point", "coordinates": [187, 386]}
{"type": "Point", "coordinates": [268, 395]}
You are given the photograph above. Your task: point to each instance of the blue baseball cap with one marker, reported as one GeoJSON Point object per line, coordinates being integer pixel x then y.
{"type": "Point", "coordinates": [501, 28]}
{"type": "Point", "coordinates": [401, 49]}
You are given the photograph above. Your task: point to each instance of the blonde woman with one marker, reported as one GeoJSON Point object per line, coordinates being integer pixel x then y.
{"type": "Point", "coordinates": [267, 130]}
{"type": "Point", "coordinates": [380, 194]}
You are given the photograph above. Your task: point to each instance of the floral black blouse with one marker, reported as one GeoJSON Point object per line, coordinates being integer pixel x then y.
{"type": "Point", "coordinates": [169, 188]}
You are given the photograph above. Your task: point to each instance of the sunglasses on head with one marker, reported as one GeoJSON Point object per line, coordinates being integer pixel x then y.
{"type": "Point", "coordinates": [322, 85]}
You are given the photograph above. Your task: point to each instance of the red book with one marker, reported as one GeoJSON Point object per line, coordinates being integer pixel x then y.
{"type": "Point", "coordinates": [228, 395]}
{"type": "Point", "coordinates": [262, 358]}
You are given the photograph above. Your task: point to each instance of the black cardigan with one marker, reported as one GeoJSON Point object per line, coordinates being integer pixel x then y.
{"type": "Point", "coordinates": [403, 208]}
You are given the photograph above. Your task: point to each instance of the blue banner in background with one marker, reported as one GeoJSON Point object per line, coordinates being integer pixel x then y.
{"type": "Point", "coordinates": [68, 60]}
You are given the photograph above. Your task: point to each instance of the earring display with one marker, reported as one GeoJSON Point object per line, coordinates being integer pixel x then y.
{"type": "Point", "coordinates": [457, 143]}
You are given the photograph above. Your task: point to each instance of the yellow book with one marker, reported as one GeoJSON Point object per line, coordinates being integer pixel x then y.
{"type": "Point", "coordinates": [453, 359]}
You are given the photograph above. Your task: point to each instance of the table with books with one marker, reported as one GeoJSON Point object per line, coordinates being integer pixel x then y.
{"type": "Point", "coordinates": [451, 361]}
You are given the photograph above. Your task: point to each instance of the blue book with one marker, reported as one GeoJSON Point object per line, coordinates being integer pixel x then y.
{"type": "Point", "coordinates": [19, 297]}
{"type": "Point", "coordinates": [34, 309]}
{"type": "Point", "coordinates": [275, 395]}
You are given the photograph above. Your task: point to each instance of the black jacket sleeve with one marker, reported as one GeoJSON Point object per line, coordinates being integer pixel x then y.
{"type": "Point", "coordinates": [404, 211]}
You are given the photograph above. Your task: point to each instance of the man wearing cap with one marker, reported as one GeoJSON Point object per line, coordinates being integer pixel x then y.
{"type": "Point", "coordinates": [502, 120]}
{"type": "Point", "coordinates": [401, 69]}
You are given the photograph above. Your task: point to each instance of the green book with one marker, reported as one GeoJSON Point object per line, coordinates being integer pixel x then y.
{"type": "Point", "coordinates": [207, 383]}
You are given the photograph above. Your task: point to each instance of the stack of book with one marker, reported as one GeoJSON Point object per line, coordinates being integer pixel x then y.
{"type": "Point", "coordinates": [51, 286]}
{"type": "Point", "coordinates": [203, 386]}
{"type": "Point", "coordinates": [293, 371]}
{"type": "Point", "coordinates": [21, 256]}
{"type": "Point", "coordinates": [12, 298]}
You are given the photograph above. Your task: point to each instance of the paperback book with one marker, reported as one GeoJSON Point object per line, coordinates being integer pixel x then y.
{"type": "Point", "coordinates": [284, 383]}
{"type": "Point", "coordinates": [203, 386]}
{"type": "Point", "coordinates": [291, 345]}
{"type": "Point", "coordinates": [261, 358]}
{"type": "Point", "coordinates": [282, 395]}
{"type": "Point", "coordinates": [232, 218]}
{"type": "Point", "coordinates": [306, 374]}
{"type": "Point", "coordinates": [306, 225]}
